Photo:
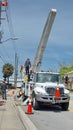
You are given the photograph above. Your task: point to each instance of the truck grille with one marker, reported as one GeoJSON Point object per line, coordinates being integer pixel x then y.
{"type": "Point", "coordinates": [51, 91]}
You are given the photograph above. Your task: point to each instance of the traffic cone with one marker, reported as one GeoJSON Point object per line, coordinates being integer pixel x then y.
{"type": "Point", "coordinates": [29, 108]}
{"type": "Point", "coordinates": [57, 93]}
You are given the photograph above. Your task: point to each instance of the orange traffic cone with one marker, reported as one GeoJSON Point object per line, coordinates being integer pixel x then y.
{"type": "Point", "coordinates": [57, 94]}
{"type": "Point", "coordinates": [29, 108]}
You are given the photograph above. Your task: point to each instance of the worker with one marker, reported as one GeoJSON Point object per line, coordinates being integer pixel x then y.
{"type": "Point", "coordinates": [27, 66]}
{"type": "Point", "coordinates": [3, 88]}
{"type": "Point", "coordinates": [66, 79]}
{"type": "Point", "coordinates": [20, 93]}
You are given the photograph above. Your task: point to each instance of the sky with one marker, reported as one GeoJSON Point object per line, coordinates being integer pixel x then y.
{"type": "Point", "coordinates": [27, 19]}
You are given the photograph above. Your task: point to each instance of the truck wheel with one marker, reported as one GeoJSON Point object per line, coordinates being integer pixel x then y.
{"type": "Point", "coordinates": [65, 106]}
{"type": "Point", "coordinates": [35, 104]}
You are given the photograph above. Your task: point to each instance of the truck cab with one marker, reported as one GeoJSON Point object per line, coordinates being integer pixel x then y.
{"type": "Point", "coordinates": [48, 89]}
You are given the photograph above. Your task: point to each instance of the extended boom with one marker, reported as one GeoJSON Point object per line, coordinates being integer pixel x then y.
{"type": "Point", "coordinates": [43, 41]}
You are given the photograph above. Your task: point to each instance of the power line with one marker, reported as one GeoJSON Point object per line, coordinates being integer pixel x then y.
{"type": "Point", "coordinates": [2, 59]}
{"type": "Point", "coordinates": [10, 25]}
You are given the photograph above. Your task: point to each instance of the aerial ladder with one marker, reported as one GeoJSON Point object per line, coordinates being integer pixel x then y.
{"type": "Point", "coordinates": [42, 45]}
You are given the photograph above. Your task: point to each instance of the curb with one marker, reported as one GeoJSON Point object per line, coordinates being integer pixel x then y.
{"type": "Point", "coordinates": [26, 121]}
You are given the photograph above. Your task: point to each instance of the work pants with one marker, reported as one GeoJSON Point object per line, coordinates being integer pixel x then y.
{"type": "Point", "coordinates": [4, 94]}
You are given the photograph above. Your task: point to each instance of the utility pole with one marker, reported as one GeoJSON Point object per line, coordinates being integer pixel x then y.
{"type": "Point", "coordinates": [0, 12]}
{"type": "Point", "coordinates": [0, 23]}
{"type": "Point", "coordinates": [16, 70]}
{"type": "Point", "coordinates": [16, 58]}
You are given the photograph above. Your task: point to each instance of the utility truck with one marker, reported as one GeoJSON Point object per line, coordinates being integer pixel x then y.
{"type": "Point", "coordinates": [47, 87]}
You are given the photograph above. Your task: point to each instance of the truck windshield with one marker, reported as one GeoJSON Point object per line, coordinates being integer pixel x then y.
{"type": "Point", "coordinates": [46, 77]}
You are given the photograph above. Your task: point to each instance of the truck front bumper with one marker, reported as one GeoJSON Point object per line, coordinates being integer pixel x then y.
{"type": "Point", "coordinates": [48, 99]}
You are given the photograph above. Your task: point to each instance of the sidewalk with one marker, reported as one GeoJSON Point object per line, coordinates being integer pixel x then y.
{"type": "Point", "coordinates": [9, 116]}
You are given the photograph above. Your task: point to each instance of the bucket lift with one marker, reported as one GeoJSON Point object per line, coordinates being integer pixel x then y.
{"type": "Point", "coordinates": [42, 45]}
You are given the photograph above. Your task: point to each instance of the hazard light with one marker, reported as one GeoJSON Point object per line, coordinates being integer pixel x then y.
{"type": "Point", "coordinates": [4, 3]}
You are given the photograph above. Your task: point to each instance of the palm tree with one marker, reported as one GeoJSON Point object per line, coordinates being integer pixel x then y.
{"type": "Point", "coordinates": [7, 71]}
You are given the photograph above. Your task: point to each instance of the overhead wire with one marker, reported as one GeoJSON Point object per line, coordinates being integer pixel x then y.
{"type": "Point", "coordinates": [12, 36]}
{"type": "Point", "coordinates": [3, 57]}
{"type": "Point", "coordinates": [2, 45]}
{"type": "Point", "coordinates": [11, 30]}
{"type": "Point", "coordinates": [10, 25]}
{"type": "Point", "coordinates": [9, 20]}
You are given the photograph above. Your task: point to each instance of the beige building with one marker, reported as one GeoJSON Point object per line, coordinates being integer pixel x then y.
{"type": "Point", "coordinates": [70, 76]}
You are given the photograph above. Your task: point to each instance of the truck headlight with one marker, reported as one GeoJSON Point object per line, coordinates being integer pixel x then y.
{"type": "Point", "coordinates": [41, 92]}
{"type": "Point", "coordinates": [66, 92]}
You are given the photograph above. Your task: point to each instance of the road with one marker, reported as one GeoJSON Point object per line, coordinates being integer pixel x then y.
{"type": "Point", "coordinates": [52, 118]}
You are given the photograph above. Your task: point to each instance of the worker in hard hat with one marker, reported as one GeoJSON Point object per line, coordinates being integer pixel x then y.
{"type": "Point", "coordinates": [27, 65]}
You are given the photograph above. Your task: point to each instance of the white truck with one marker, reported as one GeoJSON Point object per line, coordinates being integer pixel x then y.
{"type": "Point", "coordinates": [48, 89]}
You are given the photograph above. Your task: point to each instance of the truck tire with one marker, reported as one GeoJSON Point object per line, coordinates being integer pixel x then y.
{"type": "Point", "coordinates": [65, 106]}
{"type": "Point", "coordinates": [35, 104]}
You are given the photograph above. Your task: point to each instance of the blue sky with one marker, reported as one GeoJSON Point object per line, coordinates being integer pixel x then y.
{"type": "Point", "coordinates": [28, 19]}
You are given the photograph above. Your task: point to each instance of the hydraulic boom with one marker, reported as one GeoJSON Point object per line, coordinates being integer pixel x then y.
{"type": "Point", "coordinates": [43, 41]}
